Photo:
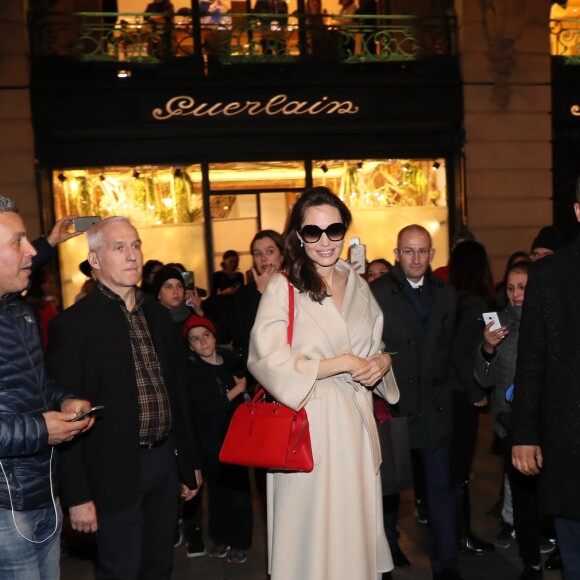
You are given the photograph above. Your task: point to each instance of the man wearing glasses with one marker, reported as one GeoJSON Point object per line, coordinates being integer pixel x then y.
{"type": "Point", "coordinates": [419, 311]}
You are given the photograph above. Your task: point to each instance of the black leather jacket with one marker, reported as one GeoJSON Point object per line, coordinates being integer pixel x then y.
{"type": "Point", "coordinates": [25, 393]}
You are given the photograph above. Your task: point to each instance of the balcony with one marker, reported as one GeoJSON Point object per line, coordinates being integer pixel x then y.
{"type": "Point", "coordinates": [213, 41]}
{"type": "Point", "coordinates": [565, 40]}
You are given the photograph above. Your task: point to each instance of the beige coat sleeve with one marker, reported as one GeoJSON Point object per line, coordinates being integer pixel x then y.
{"type": "Point", "coordinates": [287, 375]}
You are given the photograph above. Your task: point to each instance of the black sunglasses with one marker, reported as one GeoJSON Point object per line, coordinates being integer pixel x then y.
{"type": "Point", "coordinates": [334, 232]}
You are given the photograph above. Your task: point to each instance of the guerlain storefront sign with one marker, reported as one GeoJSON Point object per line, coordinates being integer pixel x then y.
{"type": "Point", "coordinates": [185, 106]}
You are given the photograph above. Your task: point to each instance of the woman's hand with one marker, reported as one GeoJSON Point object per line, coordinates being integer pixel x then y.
{"type": "Point", "coordinates": [491, 338]}
{"type": "Point", "coordinates": [262, 279]}
{"type": "Point", "coordinates": [374, 369]}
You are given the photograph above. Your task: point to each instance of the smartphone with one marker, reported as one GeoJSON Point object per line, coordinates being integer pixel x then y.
{"type": "Point", "coordinates": [357, 253]}
{"type": "Point", "coordinates": [88, 413]}
{"type": "Point", "coordinates": [82, 224]}
{"type": "Point", "coordinates": [491, 317]}
{"type": "Point", "coordinates": [188, 280]}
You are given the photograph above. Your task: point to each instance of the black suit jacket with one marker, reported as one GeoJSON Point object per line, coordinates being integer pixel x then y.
{"type": "Point", "coordinates": [89, 351]}
{"type": "Point", "coordinates": [422, 360]}
{"type": "Point", "coordinates": [547, 384]}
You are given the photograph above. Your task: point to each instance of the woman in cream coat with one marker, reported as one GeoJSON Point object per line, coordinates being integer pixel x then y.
{"type": "Point", "coordinates": [326, 524]}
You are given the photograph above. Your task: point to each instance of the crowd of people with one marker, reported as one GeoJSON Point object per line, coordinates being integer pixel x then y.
{"type": "Point", "coordinates": [168, 363]}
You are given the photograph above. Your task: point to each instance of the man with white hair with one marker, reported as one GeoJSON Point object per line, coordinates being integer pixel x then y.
{"type": "Point", "coordinates": [119, 347]}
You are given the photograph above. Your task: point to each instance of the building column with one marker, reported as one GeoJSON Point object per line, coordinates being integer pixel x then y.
{"type": "Point", "coordinates": [505, 65]}
{"type": "Point", "coordinates": [17, 173]}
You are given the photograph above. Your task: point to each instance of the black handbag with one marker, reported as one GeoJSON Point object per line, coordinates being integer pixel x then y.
{"type": "Point", "coordinates": [396, 469]}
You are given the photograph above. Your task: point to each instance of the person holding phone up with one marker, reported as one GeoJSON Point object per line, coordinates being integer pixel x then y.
{"type": "Point", "coordinates": [35, 417]}
{"type": "Point", "coordinates": [169, 289]}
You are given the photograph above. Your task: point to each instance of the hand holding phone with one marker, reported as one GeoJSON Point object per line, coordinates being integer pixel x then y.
{"type": "Point", "coordinates": [88, 413]}
{"type": "Point", "coordinates": [491, 317]}
{"type": "Point", "coordinates": [188, 280]}
{"type": "Point", "coordinates": [83, 223]}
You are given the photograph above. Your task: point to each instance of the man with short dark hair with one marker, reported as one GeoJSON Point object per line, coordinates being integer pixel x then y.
{"type": "Point", "coordinates": [118, 346]}
{"type": "Point", "coordinates": [35, 416]}
{"type": "Point", "coordinates": [546, 421]}
{"type": "Point", "coordinates": [419, 311]}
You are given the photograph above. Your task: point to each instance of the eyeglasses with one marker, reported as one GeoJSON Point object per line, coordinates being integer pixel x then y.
{"type": "Point", "coordinates": [334, 232]}
{"type": "Point", "coordinates": [410, 253]}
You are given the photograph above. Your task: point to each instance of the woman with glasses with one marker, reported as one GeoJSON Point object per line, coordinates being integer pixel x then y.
{"type": "Point", "coordinates": [325, 524]}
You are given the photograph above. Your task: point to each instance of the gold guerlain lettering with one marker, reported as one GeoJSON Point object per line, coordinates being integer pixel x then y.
{"type": "Point", "coordinates": [234, 108]}
{"type": "Point", "coordinates": [344, 108]}
{"type": "Point", "coordinates": [175, 107]}
{"type": "Point", "coordinates": [254, 107]}
{"type": "Point", "coordinates": [295, 108]}
{"type": "Point", "coordinates": [185, 106]}
{"type": "Point", "coordinates": [273, 105]}
{"type": "Point", "coordinates": [319, 106]}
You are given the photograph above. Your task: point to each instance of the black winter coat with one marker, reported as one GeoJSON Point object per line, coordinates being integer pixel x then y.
{"type": "Point", "coordinates": [89, 351]}
{"type": "Point", "coordinates": [546, 406]}
{"type": "Point", "coordinates": [422, 360]}
{"type": "Point", "coordinates": [25, 394]}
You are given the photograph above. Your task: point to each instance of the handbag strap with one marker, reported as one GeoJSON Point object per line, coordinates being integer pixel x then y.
{"type": "Point", "coordinates": [290, 311]}
{"type": "Point", "coordinates": [290, 333]}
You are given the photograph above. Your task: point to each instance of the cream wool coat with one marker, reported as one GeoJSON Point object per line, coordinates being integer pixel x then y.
{"type": "Point", "coordinates": [327, 524]}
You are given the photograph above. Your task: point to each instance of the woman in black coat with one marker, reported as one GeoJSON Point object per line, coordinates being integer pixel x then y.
{"type": "Point", "coordinates": [469, 273]}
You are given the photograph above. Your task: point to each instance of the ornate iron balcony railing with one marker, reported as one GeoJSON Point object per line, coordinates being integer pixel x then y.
{"type": "Point", "coordinates": [241, 37]}
{"type": "Point", "coordinates": [565, 40]}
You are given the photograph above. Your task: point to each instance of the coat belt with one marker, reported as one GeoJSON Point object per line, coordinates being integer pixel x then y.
{"type": "Point", "coordinates": [362, 403]}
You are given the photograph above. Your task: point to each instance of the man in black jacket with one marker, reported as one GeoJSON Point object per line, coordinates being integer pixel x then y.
{"type": "Point", "coordinates": [546, 422]}
{"type": "Point", "coordinates": [118, 346]}
{"type": "Point", "coordinates": [35, 416]}
{"type": "Point", "coordinates": [419, 312]}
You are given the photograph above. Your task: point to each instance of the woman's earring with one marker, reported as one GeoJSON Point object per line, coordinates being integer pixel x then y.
{"type": "Point", "coordinates": [301, 244]}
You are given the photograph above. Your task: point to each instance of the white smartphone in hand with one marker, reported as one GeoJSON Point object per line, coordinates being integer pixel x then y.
{"type": "Point", "coordinates": [491, 317]}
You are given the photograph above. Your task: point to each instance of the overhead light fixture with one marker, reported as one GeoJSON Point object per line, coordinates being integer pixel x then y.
{"type": "Point", "coordinates": [324, 168]}
{"type": "Point", "coordinates": [61, 177]}
{"type": "Point", "coordinates": [123, 74]}
{"type": "Point", "coordinates": [406, 167]}
{"type": "Point", "coordinates": [436, 165]}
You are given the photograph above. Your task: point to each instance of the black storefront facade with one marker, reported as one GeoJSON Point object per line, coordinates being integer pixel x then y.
{"type": "Point", "coordinates": [278, 119]}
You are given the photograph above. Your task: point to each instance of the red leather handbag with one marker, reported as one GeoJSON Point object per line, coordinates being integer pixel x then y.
{"type": "Point", "coordinates": [267, 434]}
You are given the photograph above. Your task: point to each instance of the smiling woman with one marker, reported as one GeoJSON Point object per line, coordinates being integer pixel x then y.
{"type": "Point", "coordinates": [330, 369]}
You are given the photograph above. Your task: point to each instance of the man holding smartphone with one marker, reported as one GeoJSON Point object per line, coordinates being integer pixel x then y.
{"type": "Point", "coordinates": [118, 346]}
{"type": "Point", "coordinates": [34, 417]}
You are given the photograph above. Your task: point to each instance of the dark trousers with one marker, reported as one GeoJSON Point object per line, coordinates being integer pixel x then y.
{"type": "Point", "coordinates": [465, 424]}
{"type": "Point", "coordinates": [526, 511]}
{"type": "Point", "coordinates": [568, 531]}
{"type": "Point", "coordinates": [137, 542]}
{"type": "Point", "coordinates": [229, 503]}
{"type": "Point", "coordinates": [440, 507]}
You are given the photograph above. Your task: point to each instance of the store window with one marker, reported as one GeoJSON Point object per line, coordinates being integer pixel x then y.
{"type": "Point", "coordinates": [164, 203]}
{"type": "Point", "coordinates": [167, 205]}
